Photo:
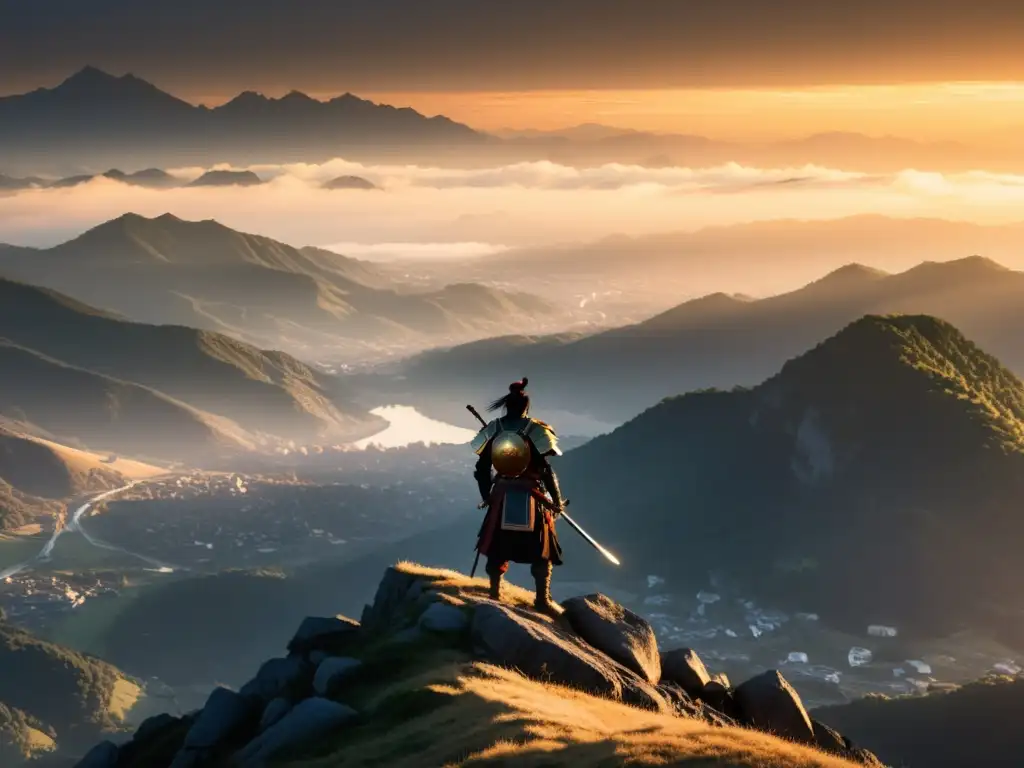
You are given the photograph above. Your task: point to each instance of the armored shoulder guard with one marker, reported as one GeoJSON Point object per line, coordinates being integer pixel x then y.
{"type": "Point", "coordinates": [543, 438]}
{"type": "Point", "coordinates": [484, 436]}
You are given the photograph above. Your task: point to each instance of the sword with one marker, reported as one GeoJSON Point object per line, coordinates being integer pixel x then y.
{"type": "Point", "coordinates": [589, 539]}
{"type": "Point", "coordinates": [476, 413]}
{"type": "Point", "coordinates": [482, 504]}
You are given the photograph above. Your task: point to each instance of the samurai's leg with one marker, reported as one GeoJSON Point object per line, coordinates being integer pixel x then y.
{"type": "Point", "coordinates": [496, 570]}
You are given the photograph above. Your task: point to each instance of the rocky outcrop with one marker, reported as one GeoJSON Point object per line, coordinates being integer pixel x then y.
{"type": "Point", "coordinates": [318, 689]}
{"type": "Point", "coordinates": [543, 651]}
{"type": "Point", "coordinates": [307, 721]}
{"type": "Point", "coordinates": [769, 703]}
{"type": "Point", "coordinates": [616, 632]}
{"type": "Point", "coordinates": [684, 668]}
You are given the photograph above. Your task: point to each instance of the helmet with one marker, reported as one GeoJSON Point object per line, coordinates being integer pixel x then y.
{"type": "Point", "coordinates": [510, 454]}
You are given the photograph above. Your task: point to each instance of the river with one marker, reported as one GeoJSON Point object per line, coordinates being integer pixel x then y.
{"type": "Point", "coordinates": [74, 525]}
{"type": "Point", "coordinates": [406, 426]}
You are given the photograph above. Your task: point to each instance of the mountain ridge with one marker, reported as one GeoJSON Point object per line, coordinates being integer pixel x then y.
{"type": "Point", "coordinates": [231, 393]}
{"type": "Point", "coordinates": [167, 270]}
{"type": "Point", "coordinates": [721, 342]}
{"type": "Point", "coordinates": [877, 442]}
{"type": "Point", "coordinates": [93, 116]}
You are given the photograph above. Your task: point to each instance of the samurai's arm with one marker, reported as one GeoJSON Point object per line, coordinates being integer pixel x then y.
{"type": "Point", "coordinates": [550, 480]}
{"type": "Point", "coordinates": [482, 473]}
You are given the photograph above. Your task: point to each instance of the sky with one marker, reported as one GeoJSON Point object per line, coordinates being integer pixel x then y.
{"type": "Point", "coordinates": [930, 69]}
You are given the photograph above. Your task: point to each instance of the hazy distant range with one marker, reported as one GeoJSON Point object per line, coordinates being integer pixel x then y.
{"type": "Point", "coordinates": [93, 121]}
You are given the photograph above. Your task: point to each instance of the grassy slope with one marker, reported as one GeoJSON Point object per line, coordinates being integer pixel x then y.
{"type": "Point", "coordinates": [21, 736]}
{"type": "Point", "coordinates": [435, 706]}
{"type": "Point", "coordinates": [262, 390]}
{"type": "Point", "coordinates": [77, 695]}
{"type": "Point", "coordinates": [103, 412]}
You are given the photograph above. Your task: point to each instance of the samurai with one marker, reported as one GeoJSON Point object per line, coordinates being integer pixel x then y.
{"type": "Point", "coordinates": [522, 497]}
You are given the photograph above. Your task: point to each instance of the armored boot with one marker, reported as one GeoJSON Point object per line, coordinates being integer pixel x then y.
{"type": "Point", "coordinates": [541, 571]}
{"type": "Point", "coordinates": [495, 571]}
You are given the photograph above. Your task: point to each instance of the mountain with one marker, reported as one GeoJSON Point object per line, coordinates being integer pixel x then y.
{"type": "Point", "coordinates": [37, 474]}
{"type": "Point", "coordinates": [722, 341]}
{"type": "Point", "coordinates": [306, 300]}
{"type": "Point", "coordinates": [227, 179]}
{"type": "Point", "coordinates": [848, 484]}
{"type": "Point", "coordinates": [167, 391]}
{"type": "Point", "coordinates": [764, 257]}
{"type": "Point", "coordinates": [349, 182]}
{"type": "Point", "coordinates": [154, 178]}
{"type": "Point", "coordinates": [94, 117]}
{"type": "Point", "coordinates": [68, 697]}
{"type": "Point", "coordinates": [435, 673]}
{"type": "Point", "coordinates": [940, 729]}
{"type": "Point", "coordinates": [11, 184]}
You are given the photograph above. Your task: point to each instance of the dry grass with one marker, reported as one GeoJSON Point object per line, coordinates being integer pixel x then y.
{"type": "Point", "coordinates": [123, 698]}
{"type": "Point", "coordinates": [444, 710]}
{"type": "Point", "coordinates": [39, 742]}
{"type": "Point", "coordinates": [84, 462]}
{"type": "Point", "coordinates": [465, 714]}
{"type": "Point", "coordinates": [460, 585]}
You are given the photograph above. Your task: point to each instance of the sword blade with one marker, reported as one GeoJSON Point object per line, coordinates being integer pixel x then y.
{"type": "Point", "coordinates": [590, 539]}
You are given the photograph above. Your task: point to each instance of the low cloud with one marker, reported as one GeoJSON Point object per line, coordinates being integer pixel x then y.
{"type": "Point", "coordinates": [437, 211]}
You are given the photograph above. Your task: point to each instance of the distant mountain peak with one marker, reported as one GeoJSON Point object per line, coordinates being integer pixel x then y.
{"type": "Point", "coordinates": [89, 74]}
{"type": "Point", "coordinates": [92, 79]}
{"type": "Point", "coordinates": [298, 96]}
{"type": "Point", "coordinates": [969, 267]}
{"type": "Point", "coordinates": [850, 275]}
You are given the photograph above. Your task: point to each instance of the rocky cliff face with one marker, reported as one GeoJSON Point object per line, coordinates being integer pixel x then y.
{"type": "Point", "coordinates": [436, 673]}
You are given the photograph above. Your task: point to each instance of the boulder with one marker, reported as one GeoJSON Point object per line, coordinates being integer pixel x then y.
{"type": "Point", "coordinates": [227, 717]}
{"type": "Point", "coordinates": [153, 725]}
{"type": "Point", "coordinates": [617, 632]}
{"type": "Point", "coordinates": [544, 652]}
{"type": "Point", "coordinates": [684, 667]}
{"type": "Point", "coordinates": [721, 699]}
{"type": "Point", "coordinates": [332, 674]}
{"type": "Point", "coordinates": [156, 742]}
{"type": "Point", "coordinates": [392, 592]}
{"type": "Point", "coordinates": [288, 677]}
{"type": "Point", "coordinates": [769, 703]}
{"type": "Point", "coordinates": [440, 617]}
{"type": "Point", "coordinates": [722, 678]}
{"type": "Point", "coordinates": [103, 755]}
{"type": "Point", "coordinates": [331, 635]}
{"type": "Point", "coordinates": [273, 712]}
{"type": "Point", "coordinates": [829, 740]}
{"type": "Point", "coordinates": [864, 757]}
{"type": "Point", "coordinates": [407, 636]}
{"type": "Point", "coordinates": [306, 722]}
{"type": "Point", "coordinates": [686, 706]}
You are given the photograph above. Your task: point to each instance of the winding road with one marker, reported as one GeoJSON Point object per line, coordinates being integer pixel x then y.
{"type": "Point", "coordinates": [74, 525]}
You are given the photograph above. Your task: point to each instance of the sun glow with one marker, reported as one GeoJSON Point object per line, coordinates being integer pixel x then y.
{"type": "Point", "coordinates": [928, 112]}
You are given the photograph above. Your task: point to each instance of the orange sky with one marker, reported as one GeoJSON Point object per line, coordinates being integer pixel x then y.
{"type": "Point", "coordinates": [968, 111]}
{"type": "Point", "coordinates": [958, 111]}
